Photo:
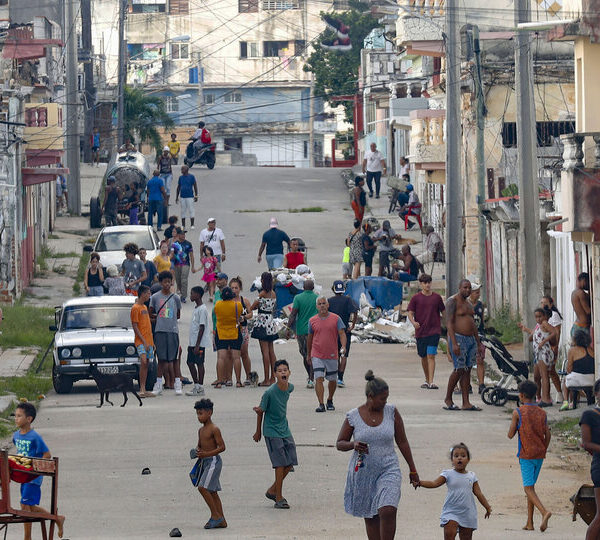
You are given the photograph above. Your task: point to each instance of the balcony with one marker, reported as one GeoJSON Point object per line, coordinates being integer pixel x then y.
{"type": "Point", "coordinates": [44, 126]}
{"type": "Point", "coordinates": [427, 139]}
{"type": "Point", "coordinates": [420, 29]}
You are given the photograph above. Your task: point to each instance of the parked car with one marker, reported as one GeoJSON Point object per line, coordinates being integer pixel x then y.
{"type": "Point", "coordinates": [111, 240]}
{"type": "Point", "coordinates": [94, 329]}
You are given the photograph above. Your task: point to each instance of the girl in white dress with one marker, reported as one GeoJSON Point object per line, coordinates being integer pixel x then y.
{"type": "Point", "coordinates": [459, 513]}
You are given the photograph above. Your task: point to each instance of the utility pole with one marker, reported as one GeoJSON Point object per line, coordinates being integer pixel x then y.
{"type": "Point", "coordinates": [480, 156]}
{"type": "Point", "coordinates": [88, 71]}
{"type": "Point", "coordinates": [122, 74]}
{"type": "Point", "coordinates": [529, 205]}
{"type": "Point", "coordinates": [72, 109]}
{"type": "Point", "coordinates": [200, 87]}
{"type": "Point", "coordinates": [311, 123]}
{"type": "Point", "coordinates": [454, 184]}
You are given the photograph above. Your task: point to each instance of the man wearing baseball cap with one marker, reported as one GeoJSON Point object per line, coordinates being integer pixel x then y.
{"type": "Point", "coordinates": [273, 240]}
{"type": "Point", "coordinates": [346, 309]}
{"type": "Point", "coordinates": [213, 236]}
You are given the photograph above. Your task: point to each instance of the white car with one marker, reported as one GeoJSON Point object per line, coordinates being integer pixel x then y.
{"type": "Point", "coordinates": [110, 242]}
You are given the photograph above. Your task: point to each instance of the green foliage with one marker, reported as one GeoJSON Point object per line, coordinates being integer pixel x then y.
{"type": "Point", "coordinates": [83, 264]}
{"type": "Point", "coordinates": [143, 115]}
{"type": "Point", "coordinates": [505, 324]}
{"type": "Point", "coordinates": [26, 326]}
{"type": "Point", "coordinates": [336, 73]}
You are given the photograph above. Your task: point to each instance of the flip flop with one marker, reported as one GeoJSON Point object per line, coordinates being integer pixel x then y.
{"type": "Point", "coordinates": [229, 383]}
{"type": "Point", "coordinates": [239, 385]}
{"type": "Point", "coordinates": [425, 385]}
{"type": "Point", "coordinates": [264, 384]}
{"type": "Point", "coordinates": [219, 385]}
{"type": "Point", "coordinates": [281, 504]}
{"type": "Point", "coordinates": [214, 523]}
{"type": "Point", "coordinates": [433, 387]}
{"type": "Point", "coordinates": [472, 408]}
{"type": "Point", "coordinates": [270, 496]}
{"type": "Point", "coordinates": [452, 407]}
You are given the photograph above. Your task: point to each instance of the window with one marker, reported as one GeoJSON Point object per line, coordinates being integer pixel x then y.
{"type": "Point", "coordinates": [248, 49]}
{"type": "Point", "coordinates": [247, 6]}
{"type": "Point", "coordinates": [172, 104]}
{"type": "Point", "coordinates": [305, 152]}
{"type": "Point", "coordinates": [274, 48]}
{"type": "Point", "coordinates": [232, 143]}
{"type": "Point", "coordinates": [232, 97]}
{"type": "Point", "coordinates": [179, 6]}
{"type": "Point", "coordinates": [299, 47]}
{"type": "Point", "coordinates": [148, 8]}
{"type": "Point", "coordinates": [179, 51]}
{"type": "Point", "coordinates": [209, 98]}
{"type": "Point", "coordinates": [546, 132]}
{"type": "Point", "coordinates": [281, 4]}
{"type": "Point", "coordinates": [144, 51]}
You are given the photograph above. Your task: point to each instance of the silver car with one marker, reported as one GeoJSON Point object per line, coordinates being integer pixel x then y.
{"type": "Point", "coordinates": [111, 240]}
{"type": "Point", "coordinates": [94, 329]}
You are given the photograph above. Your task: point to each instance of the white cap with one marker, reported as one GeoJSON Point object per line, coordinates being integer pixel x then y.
{"type": "Point", "coordinates": [210, 219]}
{"type": "Point", "coordinates": [166, 149]}
{"type": "Point", "coordinates": [273, 223]}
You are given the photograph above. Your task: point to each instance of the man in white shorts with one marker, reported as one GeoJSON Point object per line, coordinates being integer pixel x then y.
{"type": "Point", "coordinates": [324, 330]}
{"type": "Point", "coordinates": [187, 190]}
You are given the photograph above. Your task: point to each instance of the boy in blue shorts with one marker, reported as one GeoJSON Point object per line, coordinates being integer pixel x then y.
{"type": "Point", "coordinates": [278, 437]}
{"type": "Point", "coordinates": [530, 422]}
{"type": "Point", "coordinates": [29, 443]}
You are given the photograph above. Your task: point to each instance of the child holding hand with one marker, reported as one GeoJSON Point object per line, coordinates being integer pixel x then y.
{"type": "Point", "coordinates": [459, 511]}
{"type": "Point", "coordinates": [209, 263]}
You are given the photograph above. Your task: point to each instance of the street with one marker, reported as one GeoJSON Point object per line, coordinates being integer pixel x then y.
{"type": "Point", "coordinates": [103, 451]}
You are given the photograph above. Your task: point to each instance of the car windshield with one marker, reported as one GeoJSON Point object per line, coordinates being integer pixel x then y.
{"type": "Point", "coordinates": [115, 240]}
{"type": "Point", "coordinates": [99, 316]}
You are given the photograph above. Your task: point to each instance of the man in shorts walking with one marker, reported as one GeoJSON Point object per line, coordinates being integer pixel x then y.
{"type": "Point", "coordinates": [165, 309]}
{"type": "Point", "coordinates": [199, 340]}
{"type": "Point", "coordinates": [144, 342]}
{"type": "Point", "coordinates": [187, 190]}
{"type": "Point", "coordinates": [324, 330]}
{"type": "Point", "coordinates": [425, 314]}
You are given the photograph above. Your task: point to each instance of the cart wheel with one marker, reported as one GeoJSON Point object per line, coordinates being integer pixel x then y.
{"type": "Point", "coordinates": [486, 395]}
{"type": "Point", "coordinates": [501, 397]}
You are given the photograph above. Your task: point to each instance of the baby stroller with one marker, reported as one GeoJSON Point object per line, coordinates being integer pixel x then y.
{"type": "Point", "coordinates": [513, 373]}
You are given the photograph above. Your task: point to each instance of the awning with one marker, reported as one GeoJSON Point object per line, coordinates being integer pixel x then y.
{"type": "Point", "coordinates": [40, 175]}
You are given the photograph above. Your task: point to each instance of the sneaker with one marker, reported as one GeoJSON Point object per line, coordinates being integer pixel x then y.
{"type": "Point", "coordinates": [340, 383]}
{"type": "Point", "coordinates": [565, 406]}
{"type": "Point", "coordinates": [178, 388]}
{"type": "Point", "coordinates": [158, 389]}
{"type": "Point", "coordinates": [320, 408]}
{"type": "Point", "coordinates": [310, 384]}
{"type": "Point", "coordinates": [197, 390]}
{"type": "Point", "coordinates": [559, 397]}
{"type": "Point", "coordinates": [330, 406]}
{"type": "Point", "coordinates": [192, 227]}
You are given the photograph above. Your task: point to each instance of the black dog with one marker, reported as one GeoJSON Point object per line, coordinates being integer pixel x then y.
{"type": "Point", "coordinates": [120, 382]}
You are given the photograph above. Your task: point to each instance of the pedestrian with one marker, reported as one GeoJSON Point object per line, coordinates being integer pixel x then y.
{"type": "Point", "coordinates": [209, 264]}
{"type": "Point", "coordinates": [425, 311]}
{"type": "Point", "coordinates": [61, 192]}
{"type": "Point", "coordinates": [264, 327]}
{"type": "Point", "coordinates": [228, 337]}
{"type": "Point", "coordinates": [590, 442]}
{"type": "Point", "coordinates": [133, 205]}
{"type": "Point", "coordinates": [463, 343]}
{"type": "Point", "coordinates": [355, 241]}
{"type": "Point", "coordinates": [373, 481]}
{"type": "Point", "coordinates": [165, 311]}
{"type": "Point", "coordinates": [213, 236]}
{"type": "Point", "coordinates": [114, 283]}
{"type": "Point", "coordinates": [156, 197]}
{"type": "Point", "coordinates": [580, 300]}
{"type": "Point", "coordinates": [433, 246]}
{"type": "Point", "coordinates": [555, 321]}
{"type": "Point", "coordinates": [459, 513]}
{"type": "Point", "coordinates": [109, 207]}
{"type": "Point", "coordinates": [187, 188]}
{"type": "Point", "coordinates": [144, 341]}
{"type": "Point", "coordinates": [303, 308]}
{"type": "Point", "coordinates": [404, 166]}
{"type": "Point", "coordinates": [369, 249]}
{"type": "Point", "coordinates": [132, 269]}
{"type": "Point", "coordinates": [235, 284]}
{"type": "Point", "coordinates": [199, 341]}
{"type": "Point", "coordinates": [359, 198]}
{"type": "Point", "coordinates": [413, 205]}
{"type": "Point", "coordinates": [410, 265]}
{"type": "Point", "coordinates": [29, 443]}
{"type": "Point", "coordinates": [479, 316]}
{"type": "Point", "coordinates": [347, 310]}
{"type": "Point", "coordinates": [278, 437]}
{"type": "Point", "coordinates": [174, 148]}
{"type": "Point", "coordinates": [163, 261]}
{"type": "Point", "coordinates": [170, 230]}
{"type": "Point", "coordinates": [221, 283]}
{"type": "Point", "coordinates": [385, 238]}
{"type": "Point", "coordinates": [346, 266]}
{"type": "Point", "coordinates": [580, 368]}
{"type": "Point", "coordinates": [151, 270]}
{"type": "Point", "coordinates": [531, 424]}
{"type": "Point", "coordinates": [206, 472]}
{"type": "Point", "coordinates": [96, 147]}
{"type": "Point", "coordinates": [183, 261]}
{"type": "Point", "coordinates": [325, 331]}
{"type": "Point", "coordinates": [543, 357]}
{"type": "Point", "coordinates": [273, 240]}
{"type": "Point", "coordinates": [94, 276]}
{"type": "Point", "coordinates": [165, 168]}
{"type": "Point", "coordinates": [65, 188]}
{"type": "Point", "coordinates": [294, 257]}
{"type": "Point", "coordinates": [373, 165]}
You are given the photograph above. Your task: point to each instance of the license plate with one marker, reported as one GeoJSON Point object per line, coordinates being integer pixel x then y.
{"type": "Point", "coordinates": [108, 370]}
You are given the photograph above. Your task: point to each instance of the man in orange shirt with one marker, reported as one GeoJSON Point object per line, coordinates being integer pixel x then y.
{"type": "Point", "coordinates": [140, 319]}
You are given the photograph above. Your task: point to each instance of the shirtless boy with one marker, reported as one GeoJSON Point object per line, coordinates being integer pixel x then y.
{"type": "Point", "coordinates": [463, 343]}
{"type": "Point", "coordinates": [205, 474]}
{"type": "Point", "coordinates": [580, 299]}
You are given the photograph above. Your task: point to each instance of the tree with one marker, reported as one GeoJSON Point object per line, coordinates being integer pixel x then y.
{"type": "Point", "coordinates": [143, 115]}
{"type": "Point", "coordinates": [336, 73]}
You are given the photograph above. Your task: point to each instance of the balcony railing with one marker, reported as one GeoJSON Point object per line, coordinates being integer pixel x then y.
{"type": "Point", "coordinates": [427, 140]}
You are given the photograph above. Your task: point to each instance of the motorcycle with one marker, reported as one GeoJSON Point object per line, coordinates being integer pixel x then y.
{"type": "Point", "coordinates": [206, 155]}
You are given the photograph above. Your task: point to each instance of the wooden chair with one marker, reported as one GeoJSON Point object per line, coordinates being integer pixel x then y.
{"type": "Point", "coordinates": [8, 514]}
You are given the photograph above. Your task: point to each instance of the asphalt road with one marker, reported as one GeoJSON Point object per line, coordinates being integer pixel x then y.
{"type": "Point", "coordinates": [103, 451]}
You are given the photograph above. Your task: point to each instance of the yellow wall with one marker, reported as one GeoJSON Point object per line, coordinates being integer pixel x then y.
{"type": "Point", "coordinates": [51, 136]}
{"type": "Point", "coordinates": [587, 76]}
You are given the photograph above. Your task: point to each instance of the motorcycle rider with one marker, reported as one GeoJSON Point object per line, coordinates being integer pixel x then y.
{"type": "Point", "coordinates": [201, 138]}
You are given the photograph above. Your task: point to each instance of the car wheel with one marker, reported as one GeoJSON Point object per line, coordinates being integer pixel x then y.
{"type": "Point", "coordinates": [63, 384]}
{"type": "Point", "coordinates": [95, 213]}
{"type": "Point", "coordinates": [151, 377]}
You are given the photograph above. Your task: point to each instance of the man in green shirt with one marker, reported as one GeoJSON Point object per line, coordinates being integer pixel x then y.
{"type": "Point", "coordinates": [304, 307]}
